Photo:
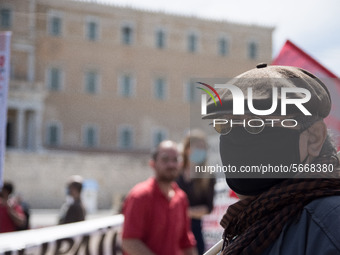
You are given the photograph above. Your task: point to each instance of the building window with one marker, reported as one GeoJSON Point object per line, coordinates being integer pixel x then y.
{"type": "Point", "coordinates": [127, 35]}
{"type": "Point", "coordinates": [92, 30]}
{"type": "Point", "coordinates": [223, 47]}
{"type": "Point", "coordinates": [91, 82]}
{"type": "Point", "coordinates": [90, 136]}
{"type": "Point", "coordinates": [160, 39]}
{"type": "Point", "coordinates": [54, 79]}
{"type": "Point", "coordinates": [191, 92]}
{"type": "Point", "coordinates": [160, 88]}
{"type": "Point", "coordinates": [5, 18]}
{"type": "Point", "coordinates": [126, 85]}
{"type": "Point", "coordinates": [252, 50]}
{"type": "Point", "coordinates": [125, 138]}
{"type": "Point", "coordinates": [192, 42]}
{"type": "Point", "coordinates": [54, 134]}
{"type": "Point", "coordinates": [55, 25]}
{"type": "Point", "coordinates": [158, 136]}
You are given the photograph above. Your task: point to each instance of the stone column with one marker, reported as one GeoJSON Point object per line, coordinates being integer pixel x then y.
{"type": "Point", "coordinates": [31, 65]}
{"type": "Point", "coordinates": [38, 129]}
{"type": "Point", "coordinates": [30, 130]}
{"type": "Point", "coordinates": [20, 122]}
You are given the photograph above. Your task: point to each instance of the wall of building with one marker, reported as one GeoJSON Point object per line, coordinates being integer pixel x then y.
{"type": "Point", "coordinates": [73, 108]}
{"type": "Point", "coordinates": [41, 177]}
{"type": "Point", "coordinates": [41, 174]}
{"type": "Point", "coordinates": [35, 51]}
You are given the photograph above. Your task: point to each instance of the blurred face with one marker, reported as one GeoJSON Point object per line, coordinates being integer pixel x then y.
{"type": "Point", "coordinates": [197, 152]}
{"type": "Point", "coordinates": [166, 164]}
{"type": "Point", "coordinates": [4, 194]}
{"type": "Point", "coordinates": [72, 191]}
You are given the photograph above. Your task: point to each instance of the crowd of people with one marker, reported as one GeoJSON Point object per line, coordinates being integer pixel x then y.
{"type": "Point", "coordinates": [15, 212]}
{"type": "Point", "coordinates": [181, 199]}
{"type": "Point", "coordinates": [297, 213]}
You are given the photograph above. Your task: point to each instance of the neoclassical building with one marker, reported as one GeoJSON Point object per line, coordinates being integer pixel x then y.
{"type": "Point", "coordinates": [91, 76]}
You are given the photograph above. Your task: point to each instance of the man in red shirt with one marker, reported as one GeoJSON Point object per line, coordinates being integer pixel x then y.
{"type": "Point", "coordinates": [156, 219]}
{"type": "Point", "coordinates": [12, 216]}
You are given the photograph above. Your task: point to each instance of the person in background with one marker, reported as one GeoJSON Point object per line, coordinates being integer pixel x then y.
{"type": "Point", "coordinates": [12, 216]}
{"type": "Point", "coordinates": [73, 210]}
{"type": "Point", "coordinates": [26, 210]}
{"type": "Point", "coordinates": [200, 191]}
{"type": "Point", "coordinates": [156, 210]}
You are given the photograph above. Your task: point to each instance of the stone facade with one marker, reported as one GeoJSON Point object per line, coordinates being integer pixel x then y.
{"type": "Point", "coordinates": [71, 55]}
{"type": "Point", "coordinates": [41, 178]}
{"type": "Point", "coordinates": [91, 77]}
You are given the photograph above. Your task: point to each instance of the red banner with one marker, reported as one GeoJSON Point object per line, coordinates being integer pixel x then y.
{"type": "Point", "coordinates": [291, 55]}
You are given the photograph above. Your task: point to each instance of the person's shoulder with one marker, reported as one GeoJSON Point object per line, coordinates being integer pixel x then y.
{"type": "Point", "coordinates": [325, 212]}
{"type": "Point", "coordinates": [316, 231]}
{"type": "Point", "coordinates": [142, 189]}
{"type": "Point", "coordinates": [324, 207]}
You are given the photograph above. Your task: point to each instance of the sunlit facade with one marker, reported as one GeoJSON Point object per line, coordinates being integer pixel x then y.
{"type": "Point", "coordinates": [91, 76]}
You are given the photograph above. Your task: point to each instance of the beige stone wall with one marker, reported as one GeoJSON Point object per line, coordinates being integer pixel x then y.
{"type": "Point", "coordinates": [74, 54]}
{"type": "Point", "coordinates": [23, 32]}
{"type": "Point", "coordinates": [21, 18]}
{"type": "Point", "coordinates": [41, 177]}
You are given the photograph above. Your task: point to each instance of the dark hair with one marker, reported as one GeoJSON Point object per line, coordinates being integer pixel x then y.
{"type": "Point", "coordinates": [77, 185]}
{"type": "Point", "coordinates": [328, 151]}
{"type": "Point", "coordinates": [8, 186]}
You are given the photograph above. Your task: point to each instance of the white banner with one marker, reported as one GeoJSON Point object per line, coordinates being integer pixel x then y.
{"type": "Point", "coordinates": [92, 237]}
{"type": "Point", "coordinates": [212, 230]}
{"type": "Point", "coordinates": [5, 39]}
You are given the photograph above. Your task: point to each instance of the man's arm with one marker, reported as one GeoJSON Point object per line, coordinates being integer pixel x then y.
{"type": "Point", "coordinates": [136, 247]}
{"type": "Point", "coordinates": [135, 227]}
{"type": "Point", "coordinates": [16, 214]}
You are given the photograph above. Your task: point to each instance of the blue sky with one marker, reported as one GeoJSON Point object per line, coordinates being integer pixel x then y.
{"type": "Point", "coordinates": [313, 25]}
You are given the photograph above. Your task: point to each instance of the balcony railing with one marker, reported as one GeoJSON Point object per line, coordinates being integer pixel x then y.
{"type": "Point", "coordinates": [25, 86]}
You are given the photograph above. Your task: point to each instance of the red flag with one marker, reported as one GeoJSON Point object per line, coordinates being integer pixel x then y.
{"type": "Point", "coordinates": [291, 55]}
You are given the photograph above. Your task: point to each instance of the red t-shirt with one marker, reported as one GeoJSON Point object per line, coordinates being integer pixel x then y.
{"type": "Point", "coordinates": [162, 224]}
{"type": "Point", "coordinates": [6, 223]}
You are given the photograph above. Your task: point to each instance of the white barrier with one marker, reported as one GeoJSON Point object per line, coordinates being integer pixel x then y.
{"type": "Point", "coordinates": [92, 237]}
{"type": "Point", "coordinates": [216, 249]}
